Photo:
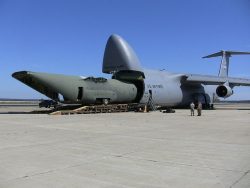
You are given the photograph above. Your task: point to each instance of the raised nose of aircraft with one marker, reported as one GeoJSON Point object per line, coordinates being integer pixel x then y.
{"type": "Point", "coordinates": [119, 55]}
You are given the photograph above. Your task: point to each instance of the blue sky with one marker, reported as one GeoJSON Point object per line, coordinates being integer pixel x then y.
{"type": "Point", "coordinates": [69, 37]}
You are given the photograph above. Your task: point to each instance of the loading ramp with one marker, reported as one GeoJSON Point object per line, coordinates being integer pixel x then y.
{"type": "Point", "coordinates": [112, 108]}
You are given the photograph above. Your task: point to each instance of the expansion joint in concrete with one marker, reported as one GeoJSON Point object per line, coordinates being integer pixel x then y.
{"type": "Point", "coordinates": [238, 180]}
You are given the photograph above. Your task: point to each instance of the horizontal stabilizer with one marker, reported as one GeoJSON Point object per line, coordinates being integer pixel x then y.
{"type": "Point", "coordinates": [227, 53]}
{"type": "Point", "coordinates": [223, 72]}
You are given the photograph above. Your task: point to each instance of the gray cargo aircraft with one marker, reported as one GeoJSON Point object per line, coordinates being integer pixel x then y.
{"type": "Point", "coordinates": [131, 83]}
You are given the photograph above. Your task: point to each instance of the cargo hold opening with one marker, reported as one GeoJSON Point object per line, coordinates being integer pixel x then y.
{"type": "Point", "coordinates": [134, 77]}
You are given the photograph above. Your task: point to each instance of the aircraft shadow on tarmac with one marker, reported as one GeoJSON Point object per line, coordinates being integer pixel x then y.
{"type": "Point", "coordinates": [25, 112]}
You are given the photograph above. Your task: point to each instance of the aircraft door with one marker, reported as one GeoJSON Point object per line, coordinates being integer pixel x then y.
{"type": "Point", "coordinates": [80, 93]}
{"type": "Point", "coordinates": [150, 95]}
{"type": "Point", "coordinates": [145, 97]}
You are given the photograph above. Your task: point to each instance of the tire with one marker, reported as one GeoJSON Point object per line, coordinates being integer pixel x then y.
{"type": "Point", "coordinates": [105, 101]}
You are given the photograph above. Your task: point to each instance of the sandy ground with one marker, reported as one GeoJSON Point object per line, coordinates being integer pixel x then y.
{"type": "Point", "coordinates": [125, 149]}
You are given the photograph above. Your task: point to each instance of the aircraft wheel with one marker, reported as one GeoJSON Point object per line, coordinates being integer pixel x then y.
{"type": "Point", "coordinates": [105, 101]}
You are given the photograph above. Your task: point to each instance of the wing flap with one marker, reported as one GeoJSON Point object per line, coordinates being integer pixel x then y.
{"type": "Point", "coordinates": [215, 80]}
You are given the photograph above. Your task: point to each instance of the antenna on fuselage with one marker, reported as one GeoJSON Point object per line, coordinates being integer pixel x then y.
{"type": "Point", "coordinates": [224, 65]}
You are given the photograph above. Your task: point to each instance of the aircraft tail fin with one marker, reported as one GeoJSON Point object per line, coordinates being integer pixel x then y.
{"type": "Point", "coordinates": [224, 65]}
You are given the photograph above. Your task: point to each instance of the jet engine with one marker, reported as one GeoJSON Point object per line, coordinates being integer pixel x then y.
{"type": "Point", "coordinates": [224, 91]}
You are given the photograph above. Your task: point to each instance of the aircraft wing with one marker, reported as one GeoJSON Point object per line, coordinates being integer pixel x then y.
{"type": "Point", "coordinates": [215, 80]}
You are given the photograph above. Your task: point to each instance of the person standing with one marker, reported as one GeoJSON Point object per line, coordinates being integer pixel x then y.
{"type": "Point", "coordinates": [192, 108]}
{"type": "Point", "coordinates": [199, 108]}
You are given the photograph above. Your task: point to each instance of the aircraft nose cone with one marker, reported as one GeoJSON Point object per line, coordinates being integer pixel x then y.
{"type": "Point", "coordinates": [114, 37]}
{"type": "Point", "coordinates": [119, 55]}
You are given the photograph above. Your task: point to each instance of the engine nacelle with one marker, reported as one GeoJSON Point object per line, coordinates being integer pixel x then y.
{"type": "Point", "coordinates": [224, 91]}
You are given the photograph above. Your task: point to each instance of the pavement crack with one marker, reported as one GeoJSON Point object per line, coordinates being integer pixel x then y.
{"type": "Point", "coordinates": [150, 160]}
{"type": "Point", "coordinates": [47, 171]}
{"type": "Point", "coordinates": [238, 180]}
{"type": "Point", "coordinates": [37, 174]}
{"type": "Point", "coordinates": [178, 164]}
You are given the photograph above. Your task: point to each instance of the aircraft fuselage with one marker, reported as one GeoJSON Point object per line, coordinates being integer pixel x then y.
{"type": "Point", "coordinates": [131, 83]}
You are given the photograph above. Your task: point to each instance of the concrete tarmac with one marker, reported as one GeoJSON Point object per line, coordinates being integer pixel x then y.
{"type": "Point", "coordinates": [126, 150]}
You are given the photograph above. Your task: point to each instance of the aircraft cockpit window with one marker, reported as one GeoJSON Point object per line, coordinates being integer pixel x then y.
{"type": "Point", "coordinates": [98, 79]}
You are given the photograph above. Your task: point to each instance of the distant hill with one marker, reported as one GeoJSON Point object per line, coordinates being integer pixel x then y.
{"type": "Point", "coordinates": [6, 99]}
{"type": "Point", "coordinates": [234, 101]}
